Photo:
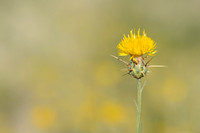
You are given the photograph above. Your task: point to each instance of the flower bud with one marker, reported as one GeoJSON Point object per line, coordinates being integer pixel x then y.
{"type": "Point", "coordinates": [137, 70]}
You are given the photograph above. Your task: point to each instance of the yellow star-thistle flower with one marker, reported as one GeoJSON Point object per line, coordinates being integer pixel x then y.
{"type": "Point", "coordinates": [136, 45]}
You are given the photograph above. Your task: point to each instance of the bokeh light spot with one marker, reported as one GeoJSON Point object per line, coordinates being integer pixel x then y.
{"type": "Point", "coordinates": [43, 117]}
{"type": "Point", "coordinates": [112, 113]}
{"type": "Point", "coordinates": [174, 90]}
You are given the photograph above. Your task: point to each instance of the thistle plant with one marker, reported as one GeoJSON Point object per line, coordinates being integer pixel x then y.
{"type": "Point", "coordinates": [139, 48]}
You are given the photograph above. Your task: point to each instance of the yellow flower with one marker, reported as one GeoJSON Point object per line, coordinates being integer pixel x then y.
{"type": "Point", "coordinates": [136, 45]}
{"type": "Point", "coordinates": [43, 117]}
{"type": "Point", "coordinates": [112, 113]}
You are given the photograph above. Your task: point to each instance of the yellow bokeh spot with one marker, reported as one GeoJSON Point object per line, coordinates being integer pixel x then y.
{"type": "Point", "coordinates": [87, 109]}
{"type": "Point", "coordinates": [43, 117]}
{"type": "Point", "coordinates": [175, 90]}
{"type": "Point", "coordinates": [112, 113]}
{"type": "Point", "coordinates": [106, 74]}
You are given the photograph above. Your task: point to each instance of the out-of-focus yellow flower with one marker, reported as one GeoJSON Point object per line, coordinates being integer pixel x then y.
{"type": "Point", "coordinates": [112, 113]}
{"type": "Point", "coordinates": [175, 90]}
{"type": "Point", "coordinates": [43, 117]}
{"type": "Point", "coordinates": [136, 45]}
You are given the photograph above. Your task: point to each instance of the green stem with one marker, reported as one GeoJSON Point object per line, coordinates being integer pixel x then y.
{"type": "Point", "coordinates": [139, 106]}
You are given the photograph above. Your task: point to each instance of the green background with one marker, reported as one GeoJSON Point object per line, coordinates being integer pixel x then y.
{"type": "Point", "coordinates": [57, 76]}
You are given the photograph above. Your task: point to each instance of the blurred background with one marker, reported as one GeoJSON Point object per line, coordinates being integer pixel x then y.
{"type": "Point", "coordinates": [57, 76]}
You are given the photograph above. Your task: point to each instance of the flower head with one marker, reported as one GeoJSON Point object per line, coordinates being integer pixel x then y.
{"type": "Point", "coordinates": [136, 45]}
